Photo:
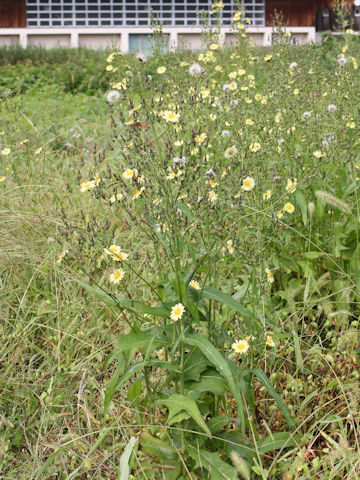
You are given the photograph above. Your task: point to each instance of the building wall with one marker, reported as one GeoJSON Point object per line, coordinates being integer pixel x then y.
{"type": "Point", "coordinates": [12, 13]}
{"type": "Point", "coordinates": [300, 13]}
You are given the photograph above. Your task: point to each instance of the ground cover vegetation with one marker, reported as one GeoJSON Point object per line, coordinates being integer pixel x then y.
{"type": "Point", "coordinates": [180, 264]}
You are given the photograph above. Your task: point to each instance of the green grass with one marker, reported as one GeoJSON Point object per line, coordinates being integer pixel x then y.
{"type": "Point", "coordinates": [58, 338]}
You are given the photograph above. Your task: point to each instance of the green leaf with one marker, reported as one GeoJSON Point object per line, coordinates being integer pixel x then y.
{"type": "Point", "coordinates": [219, 362]}
{"type": "Point", "coordinates": [300, 200]}
{"type": "Point", "coordinates": [217, 423]}
{"type": "Point", "coordinates": [260, 374]}
{"type": "Point", "coordinates": [159, 448]}
{"type": "Point", "coordinates": [116, 382]}
{"type": "Point", "coordinates": [144, 341]}
{"type": "Point", "coordinates": [212, 293]}
{"type": "Point", "coordinates": [276, 441]}
{"type": "Point", "coordinates": [124, 459]}
{"type": "Point", "coordinates": [127, 303]}
{"type": "Point", "coordinates": [211, 382]}
{"type": "Point", "coordinates": [165, 453]}
{"type": "Point", "coordinates": [187, 212]}
{"type": "Point", "coordinates": [217, 468]}
{"type": "Point", "coordinates": [194, 365]}
{"type": "Point", "coordinates": [177, 403]}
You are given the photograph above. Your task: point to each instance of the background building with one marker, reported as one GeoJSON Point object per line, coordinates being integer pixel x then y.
{"type": "Point", "coordinates": [126, 23]}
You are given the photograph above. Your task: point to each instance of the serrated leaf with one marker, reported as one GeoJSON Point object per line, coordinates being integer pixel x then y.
{"type": "Point", "coordinates": [177, 403]}
{"type": "Point", "coordinates": [212, 293]}
{"type": "Point", "coordinates": [217, 468]}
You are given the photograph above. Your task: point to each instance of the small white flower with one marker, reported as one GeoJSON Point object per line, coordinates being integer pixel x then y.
{"type": "Point", "coordinates": [331, 108]}
{"type": "Point", "coordinates": [293, 65]}
{"type": "Point", "coordinates": [306, 114]}
{"type": "Point", "coordinates": [113, 97]}
{"type": "Point", "coordinates": [342, 61]}
{"type": "Point", "coordinates": [225, 133]}
{"type": "Point", "coordinates": [196, 69]}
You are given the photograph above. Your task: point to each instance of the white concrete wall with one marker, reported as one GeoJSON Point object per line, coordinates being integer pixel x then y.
{"type": "Point", "coordinates": [107, 37]}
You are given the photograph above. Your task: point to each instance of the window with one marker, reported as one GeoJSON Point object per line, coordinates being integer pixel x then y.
{"type": "Point", "coordinates": [135, 12]}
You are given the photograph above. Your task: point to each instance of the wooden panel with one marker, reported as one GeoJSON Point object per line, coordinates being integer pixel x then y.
{"type": "Point", "coordinates": [12, 13]}
{"type": "Point", "coordinates": [297, 13]}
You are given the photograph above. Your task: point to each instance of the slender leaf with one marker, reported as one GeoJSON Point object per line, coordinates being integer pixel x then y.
{"type": "Point", "coordinates": [276, 441]}
{"type": "Point", "coordinates": [212, 293]}
{"type": "Point", "coordinates": [260, 374]}
{"type": "Point", "coordinates": [216, 359]}
{"type": "Point", "coordinates": [127, 303]}
{"type": "Point", "coordinates": [124, 459]}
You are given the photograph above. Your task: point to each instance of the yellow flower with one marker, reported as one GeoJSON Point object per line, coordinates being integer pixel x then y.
{"type": "Point", "coordinates": [267, 195]}
{"type": "Point", "coordinates": [230, 152]}
{"type": "Point", "coordinates": [84, 187]}
{"type": "Point", "coordinates": [138, 192]}
{"type": "Point", "coordinates": [255, 147]}
{"type": "Point", "coordinates": [2, 178]}
{"type": "Point", "coordinates": [38, 150]}
{"type": "Point", "coordinates": [129, 173]}
{"type": "Point", "coordinates": [351, 124]}
{"type": "Point", "coordinates": [109, 68]}
{"type": "Point", "coordinates": [230, 247]}
{"type": "Point", "coordinates": [267, 58]}
{"type": "Point", "coordinates": [205, 93]}
{"type": "Point", "coordinates": [214, 46]}
{"type": "Point", "coordinates": [5, 151]}
{"type": "Point", "coordinates": [177, 312]}
{"type": "Point", "coordinates": [117, 276]}
{"type": "Point", "coordinates": [296, 91]}
{"type": "Point", "coordinates": [248, 184]}
{"type": "Point", "coordinates": [269, 341]}
{"type": "Point", "coordinates": [248, 121]}
{"type": "Point", "coordinates": [288, 208]}
{"type": "Point", "coordinates": [318, 154]}
{"type": "Point", "coordinates": [161, 70]}
{"type": "Point", "coordinates": [170, 116]}
{"type": "Point", "coordinates": [195, 284]}
{"type": "Point", "coordinates": [200, 138]}
{"type": "Point", "coordinates": [241, 346]}
{"type": "Point", "coordinates": [62, 256]}
{"type": "Point", "coordinates": [237, 16]}
{"type": "Point", "coordinates": [270, 275]}
{"type": "Point", "coordinates": [233, 86]}
{"type": "Point", "coordinates": [212, 196]}
{"type": "Point", "coordinates": [218, 68]}
{"type": "Point", "coordinates": [116, 253]}
{"type": "Point", "coordinates": [291, 185]}
{"type": "Point", "coordinates": [212, 116]}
